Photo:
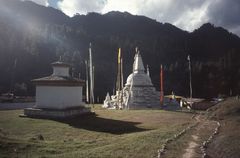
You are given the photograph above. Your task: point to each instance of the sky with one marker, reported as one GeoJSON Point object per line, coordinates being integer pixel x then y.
{"type": "Point", "coordinates": [185, 14]}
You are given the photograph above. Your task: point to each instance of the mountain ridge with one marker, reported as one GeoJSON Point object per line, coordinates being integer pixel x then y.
{"type": "Point", "coordinates": [36, 36]}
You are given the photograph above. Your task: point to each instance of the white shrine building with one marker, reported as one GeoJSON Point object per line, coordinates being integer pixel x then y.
{"type": "Point", "coordinates": [58, 95]}
{"type": "Point", "coordinates": [139, 89]}
{"type": "Point", "coordinates": [138, 93]}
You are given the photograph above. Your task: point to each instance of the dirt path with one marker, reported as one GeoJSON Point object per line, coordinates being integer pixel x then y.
{"type": "Point", "coordinates": [190, 150]}
{"type": "Point", "coordinates": [199, 134]}
{"type": "Point", "coordinates": [188, 145]}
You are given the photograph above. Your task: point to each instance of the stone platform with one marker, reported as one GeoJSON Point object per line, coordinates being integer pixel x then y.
{"type": "Point", "coordinates": [56, 113]}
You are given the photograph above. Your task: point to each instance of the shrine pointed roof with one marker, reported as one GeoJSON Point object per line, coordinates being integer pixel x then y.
{"type": "Point", "coordinates": [138, 66]}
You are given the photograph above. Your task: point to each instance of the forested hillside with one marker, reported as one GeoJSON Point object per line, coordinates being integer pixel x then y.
{"type": "Point", "coordinates": [33, 36]}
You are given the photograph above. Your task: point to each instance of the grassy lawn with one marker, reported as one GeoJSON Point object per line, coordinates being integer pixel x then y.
{"type": "Point", "coordinates": [111, 133]}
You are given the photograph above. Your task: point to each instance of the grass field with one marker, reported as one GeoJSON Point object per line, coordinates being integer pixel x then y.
{"type": "Point", "coordinates": [111, 133]}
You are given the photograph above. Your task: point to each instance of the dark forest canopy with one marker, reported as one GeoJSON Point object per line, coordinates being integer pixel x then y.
{"type": "Point", "coordinates": [33, 36]}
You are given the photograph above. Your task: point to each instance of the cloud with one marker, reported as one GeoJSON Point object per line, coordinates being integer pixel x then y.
{"type": "Point", "coordinates": [131, 6]}
{"type": "Point", "coordinates": [226, 13]}
{"type": "Point", "coordinates": [185, 14]}
{"type": "Point", "coordinates": [41, 2]}
{"type": "Point", "coordinates": [71, 7]}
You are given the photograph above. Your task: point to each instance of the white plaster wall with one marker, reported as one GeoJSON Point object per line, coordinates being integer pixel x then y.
{"type": "Point", "coordinates": [61, 71]}
{"type": "Point", "coordinates": [58, 97]}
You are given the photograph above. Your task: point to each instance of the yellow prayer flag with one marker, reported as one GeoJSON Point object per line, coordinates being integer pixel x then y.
{"type": "Point", "coordinates": [119, 55]}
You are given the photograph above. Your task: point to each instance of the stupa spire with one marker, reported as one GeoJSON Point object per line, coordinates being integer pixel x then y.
{"type": "Point", "coordinates": [138, 63]}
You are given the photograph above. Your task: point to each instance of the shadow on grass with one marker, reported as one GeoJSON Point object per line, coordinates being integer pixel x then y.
{"type": "Point", "coordinates": [95, 123]}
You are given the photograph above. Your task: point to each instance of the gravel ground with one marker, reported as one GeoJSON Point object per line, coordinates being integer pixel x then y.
{"type": "Point", "coordinates": [14, 106]}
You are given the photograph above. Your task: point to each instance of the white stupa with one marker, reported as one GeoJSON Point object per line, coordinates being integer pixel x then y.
{"type": "Point", "coordinates": [139, 89]}
{"type": "Point", "coordinates": [139, 92]}
{"type": "Point", "coordinates": [58, 95]}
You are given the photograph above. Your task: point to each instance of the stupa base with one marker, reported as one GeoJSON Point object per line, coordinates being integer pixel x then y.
{"type": "Point", "coordinates": [56, 113]}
